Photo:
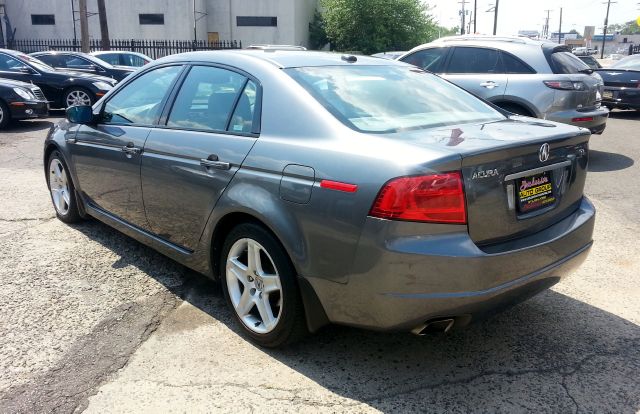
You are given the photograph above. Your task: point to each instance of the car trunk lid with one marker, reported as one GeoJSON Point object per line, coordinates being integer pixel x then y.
{"type": "Point", "coordinates": [511, 189]}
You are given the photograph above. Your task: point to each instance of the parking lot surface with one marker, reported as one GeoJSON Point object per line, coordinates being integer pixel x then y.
{"type": "Point", "coordinates": [94, 321]}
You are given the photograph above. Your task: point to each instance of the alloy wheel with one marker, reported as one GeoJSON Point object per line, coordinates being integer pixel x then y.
{"type": "Point", "coordinates": [59, 187]}
{"type": "Point", "coordinates": [254, 286]}
{"type": "Point", "coordinates": [78, 97]}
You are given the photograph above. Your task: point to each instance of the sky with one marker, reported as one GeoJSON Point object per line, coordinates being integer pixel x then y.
{"type": "Point", "coordinates": [514, 15]}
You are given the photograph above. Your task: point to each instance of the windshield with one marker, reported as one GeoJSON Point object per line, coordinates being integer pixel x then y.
{"type": "Point", "coordinates": [630, 62]}
{"type": "Point", "coordinates": [37, 63]}
{"type": "Point", "coordinates": [385, 99]}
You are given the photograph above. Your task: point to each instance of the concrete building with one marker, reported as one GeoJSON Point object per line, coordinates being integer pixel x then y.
{"type": "Point", "coordinates": [248, 21]}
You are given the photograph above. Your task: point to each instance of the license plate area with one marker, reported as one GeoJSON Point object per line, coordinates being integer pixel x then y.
{"type": "Point", "coordinates": [607, 94]}
{"type": "Point", "coordinates": [535, 192]}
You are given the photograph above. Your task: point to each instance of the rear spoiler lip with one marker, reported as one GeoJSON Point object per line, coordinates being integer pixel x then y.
{"type": "Point", "coordinates": [615, 70]}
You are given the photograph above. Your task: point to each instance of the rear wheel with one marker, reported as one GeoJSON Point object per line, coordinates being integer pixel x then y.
{"type": "Point", "coordinates": [62, 189]}
{"type": "Point", "coordinates": [78, 96]}
{"type": "Point", "coordinates": [260, 287]}
{"type": "Point", "coordinates": [5, 116]}
{"type": "Point", "coordinates": [516, 109]}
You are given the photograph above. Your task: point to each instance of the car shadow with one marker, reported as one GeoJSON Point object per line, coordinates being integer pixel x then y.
{"type": "Point", "coordinates": [552, 353]}
{"type": "Point", "coordinates": [28, 126]}
{"type": "Point", "coordinates": [601, 161]}
{"type": "Point", "coordinates": [624, 114]}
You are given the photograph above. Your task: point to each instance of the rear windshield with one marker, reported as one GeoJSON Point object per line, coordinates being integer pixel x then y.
{"type": "Point", "coordinates": [385, 99]}
{"type": "Point", "coordinates": [567, 62]}
{"type": "Point", "coordinates": [630, 62]}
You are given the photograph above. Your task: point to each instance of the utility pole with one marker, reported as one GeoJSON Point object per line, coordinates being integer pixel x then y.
{"type": "Point", "coordinates": [195, 20]}
{"type": "Point", "coordinates": [73, 18]}
{"type": "Point", "coordinates": [104, 27]}
{"type": "Point", "coordinates": [475, 15]}
{"type": "Point", "coordinates": [84, 27]}
{"type": "Point", "coordinates": [604, 29]}
{"type": "Point", "coordinates": [545, 28]}
{"type": "Point", "coordinates": [560, 28]}
{"type": "Point", "coordinates": [495, 18]}
{"type": "Point", "coordinates": [463, 2]}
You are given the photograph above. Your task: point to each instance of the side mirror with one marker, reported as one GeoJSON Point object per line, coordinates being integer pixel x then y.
{"type": "Point", "coordinates": [81, 114]}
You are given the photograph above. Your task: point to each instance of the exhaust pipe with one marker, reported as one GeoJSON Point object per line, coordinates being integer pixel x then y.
{"type": "Point", "coordinates": [435, 325]}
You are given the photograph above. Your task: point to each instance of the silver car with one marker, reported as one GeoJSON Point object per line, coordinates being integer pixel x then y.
{"type": "Point", "coordinates": [320, 188]}
{"type": "Point", "coordinates": [527, 77]}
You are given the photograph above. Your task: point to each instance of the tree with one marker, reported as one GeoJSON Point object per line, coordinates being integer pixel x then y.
{"type": "Point", "coordinates": [317, 33]}
{"type": "Point", "coordinates": [628, 28]}
{"type": "Point", "coordinates": [574, 31]}
{"type": "Point", "coordinates": [377, 25]}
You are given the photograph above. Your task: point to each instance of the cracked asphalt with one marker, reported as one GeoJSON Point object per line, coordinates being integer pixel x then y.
{"type": "Point", "coordinates": [92, 321]}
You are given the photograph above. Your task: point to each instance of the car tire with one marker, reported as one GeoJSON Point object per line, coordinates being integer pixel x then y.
{"type": "Point", "coordinates": [78, 96]}
{"type": "Point", "coordinates": [262, 292]}
{"type": "Point", "coordinates": [61, 189]}
{"type": "Point", "coordinates": [516, 109]}
{"type": "Point", "coordinates": [5, 115]}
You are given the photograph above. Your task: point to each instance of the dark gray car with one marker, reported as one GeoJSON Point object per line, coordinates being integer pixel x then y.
{"type": "Point", "coordinates": [321, 188]}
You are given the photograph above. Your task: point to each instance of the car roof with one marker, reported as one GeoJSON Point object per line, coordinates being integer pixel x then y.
{"type": "Point", "coordinates": [282, 58]}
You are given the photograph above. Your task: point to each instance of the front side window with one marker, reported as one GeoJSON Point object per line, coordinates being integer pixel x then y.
{"type": "Point", "coordinates": [207, 98]}
{"type": "Point", "coordinates": [386, 99]}
{"type": "Point", "coordinates": [140, 102]}
{"type": "Point", "coordinates": [474, 60]}
{"type": "Point", "coordinates": [74, 62]}
{"type": "Point", "coordinates": [428, 59]}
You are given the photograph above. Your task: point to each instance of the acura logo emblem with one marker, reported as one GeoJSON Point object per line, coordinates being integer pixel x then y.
{"type": "Point", "coordinates": [543, 153]}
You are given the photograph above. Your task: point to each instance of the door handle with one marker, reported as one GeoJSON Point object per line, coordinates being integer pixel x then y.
{"type": "Point", "coordinates": [489, 84]}
{"type": "Point", "coordinates": [212, 162]}
{"type": "Point", "coordinates": [129, 149]}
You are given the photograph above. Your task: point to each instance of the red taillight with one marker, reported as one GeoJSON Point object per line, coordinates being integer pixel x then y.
{"type": "Point", "coordinates": [583, 119]}
{"type": "Point", "coordinates": [437, 198]}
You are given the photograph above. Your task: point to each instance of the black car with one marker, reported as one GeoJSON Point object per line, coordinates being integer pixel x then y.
{"type": "Point", "coordinates": [61, 88]}
{"type": "Point", "coordinates": [622, 84]}
{"type": "Point", "coordinates": [82, 62]}
{"type": "Point", "coordinates": [20, 100]}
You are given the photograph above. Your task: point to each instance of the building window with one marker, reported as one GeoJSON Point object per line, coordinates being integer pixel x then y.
{"type": "Point", "coordinates": [43, 19]}
{"type": "Point", "coordinates": [256, 21]}
{"type": "Point", "coordinates": [156, 18]}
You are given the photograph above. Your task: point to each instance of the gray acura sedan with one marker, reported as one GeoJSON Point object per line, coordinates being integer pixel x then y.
{"type": "Point", "coordinates": [320, 188]}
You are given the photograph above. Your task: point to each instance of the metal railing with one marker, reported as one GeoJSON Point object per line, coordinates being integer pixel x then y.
{"type": "Point", "coordinates": [152, 48]}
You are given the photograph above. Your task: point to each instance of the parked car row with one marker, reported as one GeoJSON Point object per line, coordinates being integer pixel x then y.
{"type": "Point", "coordinates": [523, 76]}
{"type": "Point", "coordinates": [31, 84]}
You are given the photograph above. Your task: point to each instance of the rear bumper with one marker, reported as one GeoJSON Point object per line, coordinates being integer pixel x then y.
{"type": "Point", "coordinates": [401, 280]}
{"type": "Point", "coordinates": [27, 110]}
{"type": "Point", "coordinates": [596, 125]}
{"type": "Point", "coordinates": [623, 98]}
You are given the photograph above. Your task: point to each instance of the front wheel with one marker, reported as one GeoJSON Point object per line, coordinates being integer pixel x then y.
{"type": "Point", "coordinates": [260, 287]}
{"type": "Point", "coordinates": [78, 97]}
{"type": "Point", "coordinates": [5, 116]}
{"type": "Point", "coordinates": [62, 189]}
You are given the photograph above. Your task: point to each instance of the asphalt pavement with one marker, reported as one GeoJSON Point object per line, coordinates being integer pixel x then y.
{"type": "Point", "coordinates": [94, 321]}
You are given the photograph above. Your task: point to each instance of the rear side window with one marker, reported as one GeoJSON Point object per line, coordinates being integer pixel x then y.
{"type": "Point", "coordinates": [208, 97]}
{"type": "Point", "coordinates": [566, 62]}
{"type": "Point", "coordinates": [514, 65]}
{"type": "Point", "coordinates": [428, 59]}
{"type": "Point", "coordinates": [474, 60]}
{"type": "Point", "coordinates": [140, 101]}
{"type": "Point", "coordinates": [110, 58]}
